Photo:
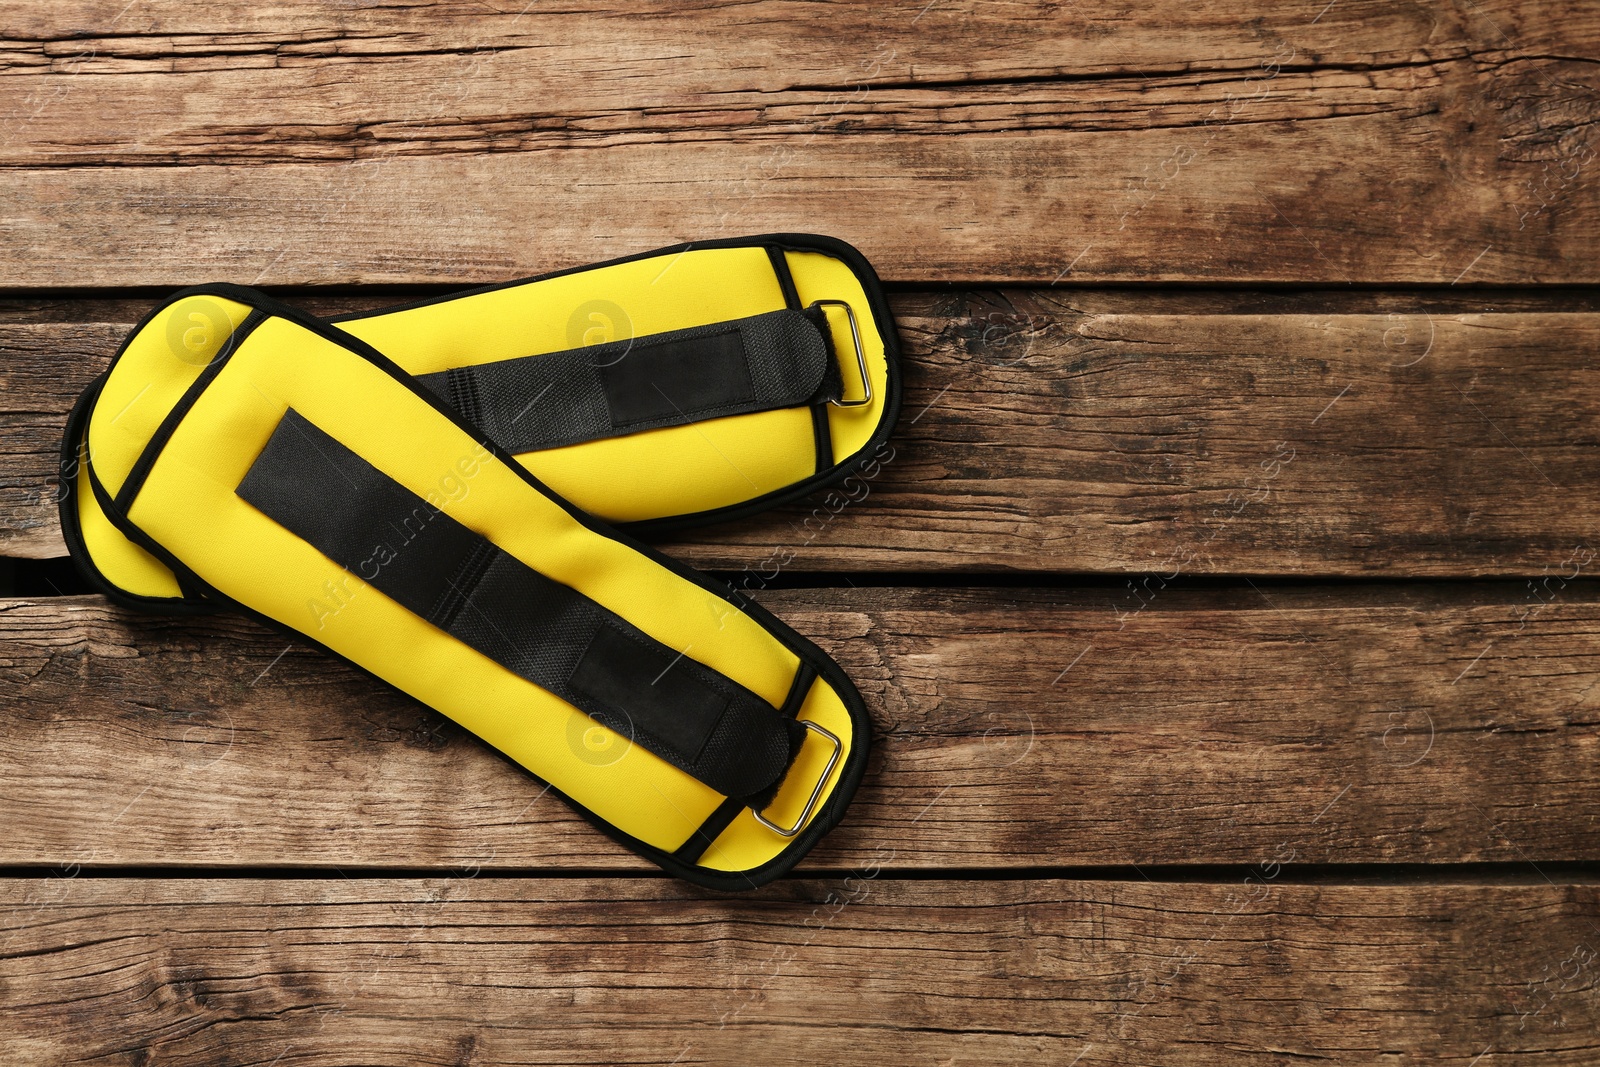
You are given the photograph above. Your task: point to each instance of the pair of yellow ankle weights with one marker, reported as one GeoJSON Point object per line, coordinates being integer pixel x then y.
{"type": "Point", "coordinates": [449, 494]}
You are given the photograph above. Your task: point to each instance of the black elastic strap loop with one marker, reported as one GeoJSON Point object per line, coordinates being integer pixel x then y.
{"type": "Point", "coordinates": [774, 360]}
{"type": "Point", "coordinates": [700, 721]}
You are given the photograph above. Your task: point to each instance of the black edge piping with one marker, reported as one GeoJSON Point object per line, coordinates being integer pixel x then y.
{"type": "Point", "coordinates": [780, 267]}
{"type": "Point", "coordinates": [75, 465]}
{"type": "Point", "coordinates": [129, 489]}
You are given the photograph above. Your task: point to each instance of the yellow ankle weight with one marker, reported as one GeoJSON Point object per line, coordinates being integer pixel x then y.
{"type": "Point", "coordinates": [289, 470]}
{"type": "Point", "coordinates": [718, 422]}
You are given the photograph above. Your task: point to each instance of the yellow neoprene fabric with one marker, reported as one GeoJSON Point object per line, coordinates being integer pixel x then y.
{"type": "Point", "coordinates": [188, 505]}
{"type": "Point", "coordinates": [672, 471]}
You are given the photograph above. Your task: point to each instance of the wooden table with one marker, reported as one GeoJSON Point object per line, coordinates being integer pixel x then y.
{"type": "Point", "coordinates": [1226, 614]}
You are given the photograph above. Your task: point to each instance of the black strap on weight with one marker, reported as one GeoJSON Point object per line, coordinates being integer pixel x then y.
{"type": "Point", "coordinates": [700, 721]}
{"type": "Point", "coordinates": [773, 360]}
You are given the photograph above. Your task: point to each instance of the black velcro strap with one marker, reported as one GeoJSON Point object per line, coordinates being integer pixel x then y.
{"type": "Point", "coordinates": [700, 721]}
{"type": "Point", "coordinates": [774, 360]}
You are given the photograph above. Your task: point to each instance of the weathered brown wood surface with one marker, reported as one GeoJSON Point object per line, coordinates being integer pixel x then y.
{"type": "Point", "coordinates": [1363, 141]}
{"type": "Point", "coordinates": [869, 971]}
{"type": "Point", "coordinates": [1017, 729]}
{"type": "Point", "coordinates": [1209, 308]}
{"type": "Point", "coordinates": [1039, 436]}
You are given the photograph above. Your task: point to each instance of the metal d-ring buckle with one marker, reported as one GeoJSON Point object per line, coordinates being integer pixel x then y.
{"type": "Point", "coordinates": [861, 355]}
{"type": "Point", "coordinates": [833, 761]}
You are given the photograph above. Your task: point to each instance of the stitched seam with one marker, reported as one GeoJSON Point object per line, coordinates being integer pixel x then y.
{"type": "Point", "coordinates": [462, 584]}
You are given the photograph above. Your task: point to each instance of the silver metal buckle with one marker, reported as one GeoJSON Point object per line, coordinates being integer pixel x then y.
{"type": "Point", "coordinates": [811, 805]}
{"type": "Point", "coordinates": [861, 355]}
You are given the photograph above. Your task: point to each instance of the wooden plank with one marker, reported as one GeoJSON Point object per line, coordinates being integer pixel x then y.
{"type": "Point", "coordinates": [869, 971]}
{"type": "Point", "coordinates": [1042, 434]}
{"type": "Point", "coordinates": [1016, 729]}
{"type": "Point", "coordinates": [1035, 439]}
{"type": "Point", "coordinates": [1185, 141]}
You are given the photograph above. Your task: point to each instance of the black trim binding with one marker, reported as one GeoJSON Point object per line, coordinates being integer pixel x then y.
{"type": "Point", "coordinates": [141, 467]}
{"type": "Point", "coordinates": [706, 834]}
{"type": "Point", "coordinates": [75, 464]}
{"type": "Point", "coordinates": [804, 677]}
{"type": "Point", "coordinates": [827, 815]}
{"type": "Point", "coordinates": [821, 436]}
{"type": "Point", "coordinates": [780, 267]}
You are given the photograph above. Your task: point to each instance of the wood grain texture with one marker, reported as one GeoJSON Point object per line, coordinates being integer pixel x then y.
{"type": "Point", "coordinates": [1147, 725]}
{"type": "Point", "coordinates": [1043, 432]}
{"type": "Point", "coordinates": [1015, 729]}
{"type": "Point", "coordinates": [1368, 142]}
{"type": "Point", "coordinates": [868, 971]}
{"type": "Point", "coordinates": [1036, 438]}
